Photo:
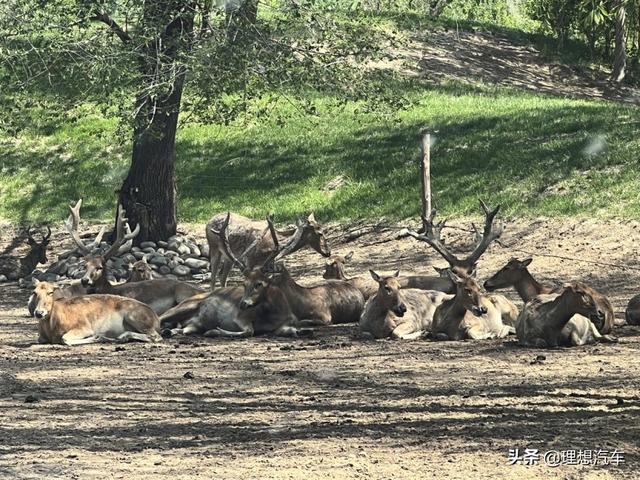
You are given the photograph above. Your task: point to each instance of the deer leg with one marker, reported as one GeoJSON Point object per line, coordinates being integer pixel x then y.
{"type": "Point", "coordinates": [215, 256]}
{"type": "Point", "coordinates": [405, 331]}
{"type": "Point", "coordinates": [598, 337]}
{"type": "Point", "coordinates": [219, 332]}
{"type": "Point", "coordinates": [478, 334]}
{"type": "Point", "coordinates": [227, 265]}
{"type": "Point", "coordinates": [442, 337]}
{"type": "Point", "coordinates": [134, 336]}
{"type": "Point", "coordinates": [83, 337]}
{"type": "Point", "coordinates": [289, 331]}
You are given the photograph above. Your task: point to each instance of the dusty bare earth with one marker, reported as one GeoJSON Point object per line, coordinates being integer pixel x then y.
{"type": "Point", "coordinates": [334, 406]}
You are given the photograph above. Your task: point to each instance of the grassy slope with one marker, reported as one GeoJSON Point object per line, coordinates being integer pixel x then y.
{"type": "Point", "coordinates": [535, 154]}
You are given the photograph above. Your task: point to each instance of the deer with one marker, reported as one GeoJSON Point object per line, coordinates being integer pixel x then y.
{"type": "Point", "coordinates": [516, 274]}
{"type": "Point", "coordinates": [335, 270]}
{"type": "Point", "coordinates": [333, 301]}
{"type": "Point", "coordinates": [16, 268]}
{"type": "Point", "coordinates": [257, 307]}
{"type": "Point", "coordinates": [140, 271]}
{"type": "Point", "coordinates": [467, 266]}
{"type": "Point", "coordinates": [632, 312]}
{"type": "Point", "coordinates": [92, 318]}
{"type": "Point", "coordinates": [160, 294]}
{"type": "Point", "coordinates": [469, 314]}
{"type": "Point", "coordinates": [250, 237]}
{"type": "Point", "coordinates": [400, 314]}
{"type": "Point", "coordinates": [569, 317]}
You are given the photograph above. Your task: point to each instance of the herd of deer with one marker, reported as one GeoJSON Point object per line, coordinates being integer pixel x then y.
{"type": "Point", "coordinates": [447, 306]}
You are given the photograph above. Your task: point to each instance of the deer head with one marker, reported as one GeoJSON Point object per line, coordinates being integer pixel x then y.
{"type": "Point", "coordinates": [97, 264]}
{"type": "Point", "coordinates": [468, 293]}
{"type": "Point", "coordinates": [334, 267]}
{"type": "Point", "coordinates": [38, 250]}
{"type": "Point", "coordinates": [508, 275]}
{"type": "Point", "coordinates": [140, 271]}
{"type": "Point", "coordinates": [43, 295]}
{"type": "Point", "coordinates": [388, 295]}
{"type": "Point", "coordinates": [432, 237]}
{"type": "Point", "coordinates": [579, 298]}
{"type": "Point", "coordinates": [313, 235]}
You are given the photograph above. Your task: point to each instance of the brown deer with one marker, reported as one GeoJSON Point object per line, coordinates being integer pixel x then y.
{"type": "Point", "coordinates": [516, 274]}
{"type": "Point", "coordinates": [632, 312]}
{"type": "Point", "coordinates": [160, 294]}
{"type": "Point", "coordinates": [140, 271]}
{"type": "Point", "coordinates": [399, 314]}
{"type": "Point", "coordinates": [16, 268]}
{"type": "Point", "coordinates": [569, 317]}
{"type": "Point", "coordinates": [469, 314]}
{"type": "Point", "coordinates": [334, 301]}
{"type": "Point", "coordinates": [92, 318]}
{"type": "Point", "coordinates": [256, 308]}
{"type": "Point", "coordinates": [335, 270]}
{"type": "Point", "coordinates": [250, 237]}
{"type": "Point", "coordinates": [467, 265]}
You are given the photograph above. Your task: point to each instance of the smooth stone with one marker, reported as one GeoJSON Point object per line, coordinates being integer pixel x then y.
{"type": "Point", "coordinates": [164, 270]}
{"type": "Point", "coordinates": [175, 238]}
{"type": "Point", "coordinates": [3, 278]}
{"type": "Point", "coordinates": [158, 260]}
{"type": "Point", "coordinates": [163, 244]}
{"type": "Point", "coordinates": [138, 255]}
{"type": "Point", "coordinates": [171, 254]}
{"type": "Point", "coordinates": [149, 250]}
{"type": "Point", "coordinates": [183, 250]}
{"type": "Point", "coordinates": [204, 250]}
{"type": "Point", "coordinates": [144, 245]}
{"type": "Point", "coordinates": [171, 276]}
{"type": "Point", "coordinates": [195, 263]}
{"type": "Point", "coordinates": [181, 271]}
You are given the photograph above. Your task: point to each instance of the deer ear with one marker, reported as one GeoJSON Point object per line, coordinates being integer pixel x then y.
{"type": "Point", "coordinates": [349, 256]}
{"type": "Point", "coordinates": [374, 275]}
{"type": "Point", "coordinates": [527, 261]}
{"type": "Point", "coordinates": [311, 217]}
{"type": "Point", "coordinates": [36, 282]}
{"type": "Point", "coordinates": [454, 278]}
{"type": "Point", "coordinates": [397, 274]}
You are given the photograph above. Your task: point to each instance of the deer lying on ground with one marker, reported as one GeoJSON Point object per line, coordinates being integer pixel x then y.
{"type": "Point", "coordinates": [467, 266]}
{"type": "Point", "coordinates": [140, 271]}
{"type": "Point", "coordinates": [333, 301]}
{"type": "Point", "coordinates": [250, 238]}
{"type": "Point", "coordinates": [469, 314]}
{"type": "Point", "coordinates": [16, 268]}
{"type": "Point", "coordinates": [160, 294]}
{"type": "Point", "coordinates": [563, 318]}
{"type": "Point", "coordinates": [632, 312]}
{"type": "Point", "coordinates": [515, 274]}
{"type": "Point", "coordinates": [334, 270]}
{"type": "Point", "coordinates": [256, 308]}
{"type": "Point", "coordinates": [399, 314]}
{"type": "Point", "coordinates": [92, 318]}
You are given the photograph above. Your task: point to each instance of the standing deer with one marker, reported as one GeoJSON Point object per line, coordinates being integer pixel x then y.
{"type": "Point", "coordinates": [92, 318]}
{"type": "Point", "coordinates": [399, 314]}
{"type": "Point", "coordinates": [16, 268]}
{"type": "Point", "coordinates": [160, 294]}
{"type": "Point", "coordinates": [550, 320]}
{"type": "Point", "coordinates": [334, 301]}
{"type": "Point", "coordinates": [515, 274]}
{"type": "Point", "coordinates": [469, 314]}
{"type": "Point", "coordinates": [467, 265]}
{"type": "Point", "coordinates": [250, 238]}
{"type": "Point", "coordinates": [334, 270]}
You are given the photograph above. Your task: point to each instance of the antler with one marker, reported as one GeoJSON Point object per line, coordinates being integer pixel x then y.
{"type": "Point", "coordinates": [123, 234]}
{"type": "Point", "coordinates": [72, 223]}
{"type": "Point", "coordinates": [488, 235]}
{"type": "Point", "coordinates": [433, 230]}
{"type": "Point", "coordinates": [432, 237]}
{"type": "Point", "coordinates": [223, 233]}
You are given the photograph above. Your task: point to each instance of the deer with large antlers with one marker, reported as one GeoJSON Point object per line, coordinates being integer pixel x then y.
{"type": "Point", "coordinates": [92, 318]}
{"type": "Point", "coordinates": [258, 307]}
{"type": "Point", "coordinates": [334, 301]}
{"type": "Point", "coordinates": [516, 274]}
{"type": "Point", "coordinates": [160, 294]}
{"type": "Point", "coordinates": [469, 314]}
{"type": "Point", "coordinates": [250, 238]}
{"type": "Point", "coordinates": [16, 268]}
{"type": "Point", "coordinates": [467, 265]}
{"type": "Point", "coordinates": [335, 270]}
{"type": "Point", "coordinates": [570, 317]}
{"type": "Point", "coordinates": [399, 314]}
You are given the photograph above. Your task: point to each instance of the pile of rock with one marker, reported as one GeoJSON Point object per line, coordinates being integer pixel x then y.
{"type": "Point", "coordinates": [180, 257]}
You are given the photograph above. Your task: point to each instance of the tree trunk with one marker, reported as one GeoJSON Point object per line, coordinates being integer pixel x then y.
{"type": "Point", "coordinates": [620, 53]}
{"type": "Point", "coordinates": [148, 194]}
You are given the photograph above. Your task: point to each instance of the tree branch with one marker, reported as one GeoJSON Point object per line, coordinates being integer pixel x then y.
{"type": "Point", "coordinates": [113, 25]}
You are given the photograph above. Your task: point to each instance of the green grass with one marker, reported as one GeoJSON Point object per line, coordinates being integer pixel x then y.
{"type": "Point", "coordinates": [535, 154]}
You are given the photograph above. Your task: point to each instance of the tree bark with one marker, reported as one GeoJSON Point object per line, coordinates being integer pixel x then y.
{"type": "Point", "coordinates": [148, 194]}
{"type": "Point", "coordinates": [620, 52]}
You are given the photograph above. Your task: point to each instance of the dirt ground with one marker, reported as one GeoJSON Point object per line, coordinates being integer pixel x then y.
{"type": "Point", "coordinates": [334, 406]}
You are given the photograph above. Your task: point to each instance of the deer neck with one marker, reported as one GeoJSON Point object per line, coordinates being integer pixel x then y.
{"type": "Point", "coordinates": [30, 260]}
{"type": "Point", "coordinates": [455, 306]}
{"type": "Point", "coordinates": [528, 287]}
{"type": "Point", "coordinates": [340, 275]}
{"type": "Point", "coordinates": [560, 313]}
{"type": "Point", "coordinates": [103, 285]}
